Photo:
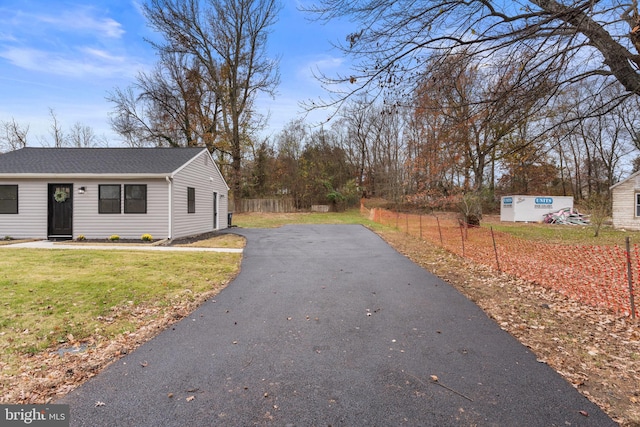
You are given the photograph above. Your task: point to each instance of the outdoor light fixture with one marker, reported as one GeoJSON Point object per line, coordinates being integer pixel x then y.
{"type": "Point", "coordinates": [81, 190]}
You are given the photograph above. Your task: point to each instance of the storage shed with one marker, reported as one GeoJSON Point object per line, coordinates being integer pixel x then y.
{"type": "Point", "coordinates": [531, 208]}
{"type": "Point", "coordinates": [625, 197]}
{"type": "Point", "coordinates": [61, 193]}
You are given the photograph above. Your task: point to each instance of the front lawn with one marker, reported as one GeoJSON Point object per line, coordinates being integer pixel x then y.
{"type": "Point", "coordinates": [53, 298]}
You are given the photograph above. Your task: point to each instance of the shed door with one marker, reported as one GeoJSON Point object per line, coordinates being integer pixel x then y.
{"type": "Point", "coordinates": [60, 211]}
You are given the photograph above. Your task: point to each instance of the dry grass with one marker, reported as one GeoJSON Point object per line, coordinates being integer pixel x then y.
{"type": "Point", "coordinates": [225, 241]}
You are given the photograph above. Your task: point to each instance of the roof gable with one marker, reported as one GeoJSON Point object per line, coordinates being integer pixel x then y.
{"type": "Point", "coordinates": [632, 176]}
{"type": "Point", "coordinates": [32, 160]}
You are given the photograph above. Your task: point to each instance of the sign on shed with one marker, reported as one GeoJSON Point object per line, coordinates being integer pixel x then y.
{"type": "Point", "coordinates": [531, 208]}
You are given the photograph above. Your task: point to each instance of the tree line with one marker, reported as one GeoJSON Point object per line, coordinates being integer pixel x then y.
{"type": "Point", "coordinates": [446, 99]}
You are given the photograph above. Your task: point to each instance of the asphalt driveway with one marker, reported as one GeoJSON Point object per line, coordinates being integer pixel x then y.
{"type": "Point", "coordinates": [327, 325]}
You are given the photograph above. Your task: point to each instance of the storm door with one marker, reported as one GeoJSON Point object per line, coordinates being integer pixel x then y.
{"type": "Point", "coordinates": [60, 211]}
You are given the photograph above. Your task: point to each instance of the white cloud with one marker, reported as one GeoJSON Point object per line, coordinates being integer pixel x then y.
{"type": "Point", "coordinates": [81, 20]}
{"type": "Point", "coordinates": [94, 62]}
{"type": "Point", "coordinates": [103, 55]}
{"type": "Point", "coordinates": [331, 62]}
{"type": "Point", "coordinates": [7, 37]}
{"type": "Point", "coordinates": [310, 69]}
{"type": "Point", "coordinates": [71, 42]}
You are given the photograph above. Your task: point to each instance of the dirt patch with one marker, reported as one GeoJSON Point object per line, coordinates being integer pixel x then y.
{"type": "Point", "coordinates": [594, 350]}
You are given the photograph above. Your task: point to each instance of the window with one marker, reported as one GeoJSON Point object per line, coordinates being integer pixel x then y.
{"type": "Point", "coordinates": [191, 200]}
{"type": "Point", "coordinates": [637, 204]}
{"type": "Point", "coordinates": [8, 199]}
{"type": "Point", "coordinates": [109, 199]}
{"type": "Point", "coordinates": [135, 199]}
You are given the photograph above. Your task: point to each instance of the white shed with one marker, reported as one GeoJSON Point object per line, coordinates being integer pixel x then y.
{"type": "Point", "coordinates": [625, 197]}
{"type": "Point", "coordinates": [531, 208]}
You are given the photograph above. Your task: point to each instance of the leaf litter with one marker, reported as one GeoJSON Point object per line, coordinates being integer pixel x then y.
{"type": "Point", "coordinates": [595, 350]}
{"type": "Point", "coordinates": [51, 374]}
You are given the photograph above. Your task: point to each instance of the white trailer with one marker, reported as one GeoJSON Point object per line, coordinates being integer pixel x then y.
{"type": "Point", "coordinates": [531, 208]}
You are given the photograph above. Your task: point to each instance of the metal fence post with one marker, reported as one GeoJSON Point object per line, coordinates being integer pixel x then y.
{"type": "Point", "coordinates": [630, 278]}
{"type": "Point", "coordinates": [406, 223]}
{"type": "Point", "coordinates": [495, 249]}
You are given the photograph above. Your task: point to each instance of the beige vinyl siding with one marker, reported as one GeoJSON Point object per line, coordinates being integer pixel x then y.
{"type": "Point", "coordinates": [201, 174]}
{"type": "Point", "coordinates": [94, 225]}
{"type": "Point", "coordinates": [31, 220]}
{"type": "Point", "coordinates": [223, 205]}
{"type": "Point", "coordinates": [624, 204]}
{"type": "Point", "coordinates": [160, 220]}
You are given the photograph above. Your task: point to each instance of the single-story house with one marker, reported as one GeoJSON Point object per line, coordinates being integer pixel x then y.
{"type": "Point", "coordinates": [625, 197]}
{"type": "Point", "coordinates": [62, 193]}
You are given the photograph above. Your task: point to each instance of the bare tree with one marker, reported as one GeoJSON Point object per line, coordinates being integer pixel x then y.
{"type": "Point", "coordinates": [81, 135]}
{"type": "Point", "coordinates": [578, 39]}
{"type": "Point", "coordinates": [373, 143]}
{"type": "Point", "coordinates": [290, 143]}
{"type": "Point", "coordinates": [56, 132]}
{"type": "Point", "coordinates": [12, 135]}
{"type": "Point", "coordinates": [228, 38]}
{"type": "Point", "coordinates": [480, 105]}
{"type": "Point", "coordinates": [356, 120]}
{"type": "Point", "coordinates": [173, 105]}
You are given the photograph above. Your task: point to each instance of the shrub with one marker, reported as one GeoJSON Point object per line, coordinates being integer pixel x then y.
{"type": "Point", "coordinates": [146, 237]}
{"type": "Point", "coordinates": [114, 237]}
{"type": "Point", "coordinates": [81, 237]}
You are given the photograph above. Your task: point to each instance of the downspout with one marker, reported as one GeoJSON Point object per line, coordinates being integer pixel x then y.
{"type": "Point", "coordinates": [170, 207]}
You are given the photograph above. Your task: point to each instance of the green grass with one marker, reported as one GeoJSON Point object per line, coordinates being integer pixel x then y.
{"type": "Point", "coordinates": [565, 234]}
{"type": "Point", "coordinates": [258, 220]}
{"type": "Point", "coordinates": [227, 241]}
{"type": "Point", "coordinates": [549, 233]}
{"type": "Point", "coordinates": [48, 295]}
{"type": "Point", "coordinates": [539, 232]}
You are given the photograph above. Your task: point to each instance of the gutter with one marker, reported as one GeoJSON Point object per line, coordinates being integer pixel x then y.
{"type": "Point", "coordinates": [170, 207]}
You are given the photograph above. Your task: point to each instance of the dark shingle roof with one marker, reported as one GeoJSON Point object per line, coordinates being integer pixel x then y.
{"type": "Point", "coordinates": [96, 160]}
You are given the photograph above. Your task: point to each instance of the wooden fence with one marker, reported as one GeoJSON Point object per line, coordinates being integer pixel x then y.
{"type": "Point", "coordinates": [268, 205]}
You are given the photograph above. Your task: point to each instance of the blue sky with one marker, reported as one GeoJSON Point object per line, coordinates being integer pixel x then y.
{"type": "Point", "coordinates": [67, 56]}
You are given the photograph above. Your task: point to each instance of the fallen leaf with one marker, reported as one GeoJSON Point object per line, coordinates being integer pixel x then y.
{"type": "Point", "coordinates": [98, 403]}
{"type": "Point", "coordinates": [434, 378]}
{"type": "Point", "coordinates": [584, 413]}
{"type": "Point", "coordinates": [190, 398]}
